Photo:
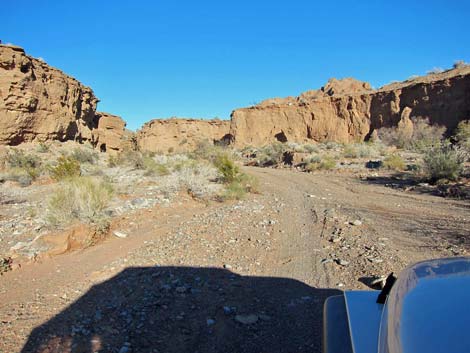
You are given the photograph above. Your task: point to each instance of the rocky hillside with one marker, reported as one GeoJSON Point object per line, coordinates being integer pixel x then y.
{"type": "Point", "coordinates": [180, 135]}
{"type": "Point", "coordinates": [349, 110]}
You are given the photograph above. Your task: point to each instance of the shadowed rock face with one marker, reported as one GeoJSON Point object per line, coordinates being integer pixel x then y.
{"type": "Point", "coordinates": [180, 135]}
{"type": "Point", "coordinates": [349, 110]}
{"type": "Point", "coordinates": [40, 103]}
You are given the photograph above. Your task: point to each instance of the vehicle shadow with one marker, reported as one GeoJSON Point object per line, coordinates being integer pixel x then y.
{"type": "Point", "coordinates": [185, 309]}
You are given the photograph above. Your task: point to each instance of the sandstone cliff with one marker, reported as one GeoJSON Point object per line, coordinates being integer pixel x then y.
{"type": "Point", "coordinates": [349, 110]}
{"type": "Point", "coordinates": [180, 135]}
{"type": "Point", "coordinates": [39, 103]}
{"type": "Point", "coordinates": [110, 134]}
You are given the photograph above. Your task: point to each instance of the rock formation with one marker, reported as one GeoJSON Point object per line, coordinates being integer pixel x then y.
{"type": "Point", "coordinates": [111, 135]}
{"type": "Point", "coordinates": [180, 135]}
{"type": "Point", "coordinates": [40, 103]}
{"type": "Point", "coordinates": [349, 110]}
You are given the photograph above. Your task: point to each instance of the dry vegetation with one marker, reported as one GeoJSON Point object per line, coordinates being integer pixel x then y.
{"type": "Point", "coordinates": [420, 154]}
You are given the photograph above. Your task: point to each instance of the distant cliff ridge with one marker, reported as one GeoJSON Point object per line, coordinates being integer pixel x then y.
{"type": "Point", "coordinates": [41, 103]}
{"type": "Point", "coordinates": [349, 110]}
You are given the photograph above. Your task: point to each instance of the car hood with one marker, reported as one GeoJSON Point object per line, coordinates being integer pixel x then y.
{"type": "Point", "coordinates": [428, 309]}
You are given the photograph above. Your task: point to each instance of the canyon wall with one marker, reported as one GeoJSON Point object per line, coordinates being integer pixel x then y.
{"type": "Point", "coordinates": [180, 135]}
{"type": "Point", "coordinates": [41, 103]}
{"type": "Point", "coordinates": [349, 110]}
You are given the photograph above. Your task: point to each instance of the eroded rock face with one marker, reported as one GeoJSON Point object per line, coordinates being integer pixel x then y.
{"type": "Point", "coordinates": [180, 135]}
{"type": "Point", "coordinates": [111, 135]}
{"type": "Point", "coordinates": [40, 103]}
{"type": "Point", "coordinates": [349, 110]}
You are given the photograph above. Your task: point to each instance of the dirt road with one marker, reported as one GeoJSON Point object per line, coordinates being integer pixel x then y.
{"type": "Point", "coordinates": [249, 276]}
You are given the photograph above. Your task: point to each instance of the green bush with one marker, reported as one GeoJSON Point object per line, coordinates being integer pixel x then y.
{"type": "Point", "coordinates": [394, 162]}
{"type": "Point", "coordinates": [66, 167]}
{"type": "Point", "coordinates": [79, 198]}
{"type": "Point", "coordinates": [227, 168]}
{"type": "Point", "coordinates": [462, 134]}
{"type": "Point", "coordinates": [443, 162]}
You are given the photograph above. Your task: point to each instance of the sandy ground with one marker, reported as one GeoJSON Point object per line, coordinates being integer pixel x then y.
{"type": "Point", "coordinates": [248, 276]}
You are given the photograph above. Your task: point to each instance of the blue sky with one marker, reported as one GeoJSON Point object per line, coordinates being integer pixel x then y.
{"type": "Point", "coordinates": [156, 59]}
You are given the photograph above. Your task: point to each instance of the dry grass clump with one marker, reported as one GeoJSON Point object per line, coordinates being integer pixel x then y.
{"type": "Point", "coordinates": [394, 162]}
{"type": "Point", "coordinates": [79, 198]}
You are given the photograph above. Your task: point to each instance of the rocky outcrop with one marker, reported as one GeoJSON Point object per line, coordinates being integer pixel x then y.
{"type": "Point", "coordinates": [111, 135]}
{"type": "Point", "coordinates": [180, 135]}
{"type": "Point", "coordinates": [349, 110]}
{"type": "Point", "coordinates": [40, 103]}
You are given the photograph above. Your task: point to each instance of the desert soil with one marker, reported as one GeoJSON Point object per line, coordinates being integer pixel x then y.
{"type": "Point", "coordinates": [247, 276]}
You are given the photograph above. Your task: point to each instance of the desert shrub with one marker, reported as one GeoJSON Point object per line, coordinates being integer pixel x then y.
{"type": "Point", "coordinates": [79, 198]}
{"type": "Point", "coordinates": [227, 168]}
{"type": "Point", "coordinates": [426, 135]}
{"type": "Point", "coordinates": [84, 156]}
{"type": "Point", "coordinates": [205, 150]}
{"type": "Point", "coordinates": [24, 166]}
{"type": "Point", "coordinates": [127, 157]}
{"type": "Point", "coordinates": [66, 167]}
{"type": "Point", "coordinates": [325, 163]}
{"type": "Point", "coordinates": [443, 162]}
{"type": "Point", "coordinates": [239, 187]}
{"type": "Point", "coordinates": [153, 168]}
{"type": "Point", "coordinates": [394, 162]}
{"type": "Point", "coordinates": [21, 176]}
{"type": "Point", "coordinates": [310, 148]}
{"type": "Point", "coordinates": [462, 135]}
{"type": "Point", "coordinates": [237, 183]}
{"type": "Point", "coordinates": [43, 147]}
{"type": "Point", "coordinates": [350, 151]}
{"type": "Point", "coordinates": [271, 154]}
{"type": "Point", "coordinates": [392, 136]}
{"type": "Point", "coordinates": [330, 145]}
{"type": "Point", "coordinates": [423, 136]}
{"type": "Point", "coordinates": [19, 159]}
